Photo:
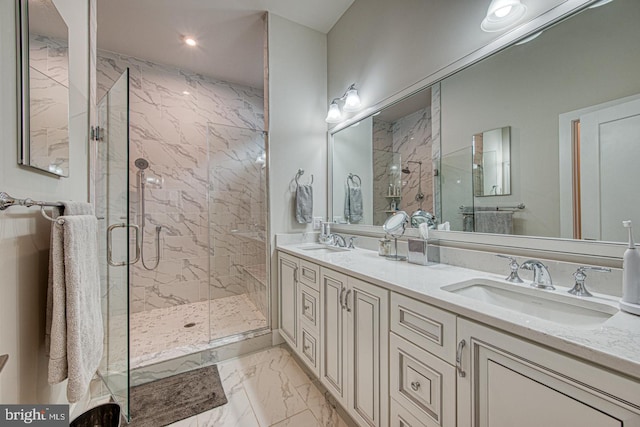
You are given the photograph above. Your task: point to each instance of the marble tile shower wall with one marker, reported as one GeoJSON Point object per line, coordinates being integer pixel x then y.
{"type": "Point", "coordinates": [174, 118]}
{"type": "Point", "coordinates": [49, 101]}
{"type": "Point", "coordinates": [410, 137]}
{"type": "Point", "coordinates": [383, 176]}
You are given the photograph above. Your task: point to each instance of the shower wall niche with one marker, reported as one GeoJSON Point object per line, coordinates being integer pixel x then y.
{"type": "Point", "coordinates": [204, 138]}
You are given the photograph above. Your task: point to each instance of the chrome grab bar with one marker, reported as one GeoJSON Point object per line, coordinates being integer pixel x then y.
{"type": "Point", "coordinates": [110, 244]}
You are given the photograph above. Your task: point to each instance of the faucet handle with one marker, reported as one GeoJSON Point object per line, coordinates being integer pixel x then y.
{"type": "Point", "coordinates": [351, 240]}
{"type": "Point", "coordinates": [580, 289]}
{"type": "Point", "coordinates": [514, 266]}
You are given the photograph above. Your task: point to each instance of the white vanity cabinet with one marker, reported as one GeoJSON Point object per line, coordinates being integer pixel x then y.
{"type": "Point", "coordinates": [506, 382]}
{"type": "Point", "coordinates": [422, 355]}
{"type": "Point", "coordinates": [354, 332]}
{"type": "Point", "coordinates": [299, 307]}
{"type": "Point", "coordinates": [288, 290]}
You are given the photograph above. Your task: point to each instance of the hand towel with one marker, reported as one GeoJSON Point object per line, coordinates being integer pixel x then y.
{"type": "Point", "coordinates": [74, 316]}
{"type": "Point", "coordinates": [353, 204]}
{"type": "Point", "coordinates": [304, 204]}
{"type": "Point", "coordinates": [496, 222]}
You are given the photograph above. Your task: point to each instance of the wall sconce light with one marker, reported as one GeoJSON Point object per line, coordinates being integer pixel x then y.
{"type": "Point", "coordinates": [351, 103]}
{"type": "Point", "coordinates": [502, 14]}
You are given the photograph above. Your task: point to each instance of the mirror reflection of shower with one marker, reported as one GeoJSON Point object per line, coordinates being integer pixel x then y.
{"type": "Point", "coordinates": [143, 181]}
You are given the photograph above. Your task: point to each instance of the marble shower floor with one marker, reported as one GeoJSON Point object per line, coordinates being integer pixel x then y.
{"type": "Point", "coordinates": [160, 334]}
{"type": "Point", "coordinates": [265, 389]}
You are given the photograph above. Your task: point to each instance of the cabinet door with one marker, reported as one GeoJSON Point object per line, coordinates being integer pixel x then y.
{"type": "Point", "coordinates": [287, 277]}
{"type": "Point", "coordinates": [333, 335]}
{"type": "Point", "coordinates": [367, 308]}
{"type": "Point", "coordinates": [510, 382]}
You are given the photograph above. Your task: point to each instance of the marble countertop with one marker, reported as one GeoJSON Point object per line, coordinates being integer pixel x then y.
{"type": "Point", "coordinates": [614, 344]}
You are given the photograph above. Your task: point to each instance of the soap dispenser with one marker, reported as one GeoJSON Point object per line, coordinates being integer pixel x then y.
{"type": "Point", "coordinates": [630, 301]}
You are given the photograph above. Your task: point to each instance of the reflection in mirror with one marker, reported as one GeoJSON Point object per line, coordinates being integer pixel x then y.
{"type": "Point", "coordinates": [492, 162]}
{"type": "Point", "coordinates": [44, 87]}
{"type": "Point", "coordinates": [391, 152]}
{"type": "Point", "coordinates": [568, 97]}
{"type": "Point", "coordinates": [395, 227]}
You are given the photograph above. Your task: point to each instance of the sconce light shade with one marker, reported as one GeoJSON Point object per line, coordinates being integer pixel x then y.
{"type": "Point", "coordinates": [502, 14]}
{"type": "Point", "coordinates": [334, 115]}
{"type": "Point", "coordinates": [352, 101]}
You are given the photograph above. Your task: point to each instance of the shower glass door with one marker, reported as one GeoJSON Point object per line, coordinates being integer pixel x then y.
{"type": "Point", "coordinates": [238, 285]}
{"type": "Point", "coordinates": [112, 209]}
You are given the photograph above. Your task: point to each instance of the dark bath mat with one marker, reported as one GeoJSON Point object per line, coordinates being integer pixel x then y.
{"type": "Point", "coordinates": [165, 401]}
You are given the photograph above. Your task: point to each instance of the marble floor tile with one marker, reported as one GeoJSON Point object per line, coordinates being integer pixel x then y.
{"type": "Point", "coordinates": [261, 393]}
{"type": "Point", "coordinates": [303, 419]}
{"type": "Point", "coordinates": [236, 413]}
{"type": "Point", "coordinates": [315, 400]}
{"type": "Point", "coordinates": [272, 394]}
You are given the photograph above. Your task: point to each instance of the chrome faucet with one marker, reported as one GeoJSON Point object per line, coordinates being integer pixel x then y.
{"type": "Point", "coordinates": [579, 289]}
{"type": "Point", "coordinates": [541, 275]}
{"type": "Point", "coordinates": [337, 240]}
{"type": "Point", "coordinates": [513, 265]}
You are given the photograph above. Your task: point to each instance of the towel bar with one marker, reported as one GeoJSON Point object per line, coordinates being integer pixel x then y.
{"type": "Point", "coordinates": [6, 201]}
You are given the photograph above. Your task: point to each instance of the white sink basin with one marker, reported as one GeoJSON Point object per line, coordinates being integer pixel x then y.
{"type": "Point", "coordinates": [319, 248]}
{"type": "Point", "coordinates": [553, 306]}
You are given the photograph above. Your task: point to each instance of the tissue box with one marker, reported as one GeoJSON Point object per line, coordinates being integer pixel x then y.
{"type": "Point", "coordinates": [418, 251]}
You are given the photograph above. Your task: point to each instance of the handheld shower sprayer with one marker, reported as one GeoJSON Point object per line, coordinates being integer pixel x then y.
{"type": "Point", "coordinates": [142, 165]}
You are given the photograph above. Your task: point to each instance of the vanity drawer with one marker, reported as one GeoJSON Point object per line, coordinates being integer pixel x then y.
{"type": "Point", "coordinates": [422, 383]}
{"type": "Point", "coordinates": [309, 350]}
{"type": "Point", "coordinates": [429, 327]}
{"type": "Point", "coordinates": [310, 274]}
{"type": "Point", "coordinates": [400, 417]}
{"type": "Point", "coordinates": [309, 300]}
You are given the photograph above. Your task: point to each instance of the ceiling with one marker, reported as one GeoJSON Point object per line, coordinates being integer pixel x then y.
{"type": "Point", "coordinates": [229, 32]}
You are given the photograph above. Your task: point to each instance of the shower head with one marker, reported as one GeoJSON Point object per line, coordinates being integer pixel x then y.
{"type": "Point", "coordinates": [141, 163]}
{"type": "Point", "coordinates": [406, 170]}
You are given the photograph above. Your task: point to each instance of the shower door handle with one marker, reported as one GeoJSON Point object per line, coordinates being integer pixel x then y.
{"type": "Point", "coordinates": [110, 244]}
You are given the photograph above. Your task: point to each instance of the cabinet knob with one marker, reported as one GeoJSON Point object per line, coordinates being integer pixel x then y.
{"type": "Point", "coordinates": [306, 348]}
{"type": "Point", "coordinates": [415, 385]}
{"type": "Point", "coordinates": [307, 308]}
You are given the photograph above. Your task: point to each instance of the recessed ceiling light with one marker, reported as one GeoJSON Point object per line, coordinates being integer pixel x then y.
{"type": "Point", "coordinates": [190, 41]}
{"type": "Point", "coordinates": [186, 92]}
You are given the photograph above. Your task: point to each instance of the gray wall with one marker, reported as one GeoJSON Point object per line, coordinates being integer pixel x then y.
{"type": "Point", "coordinates": [24, 234]}
{"type": "Point", "coordinates": [297, 131]}
{"type": "Point", "coordinates": [527, 87]}
{"type": "Point", "coordinates": [386, 46]}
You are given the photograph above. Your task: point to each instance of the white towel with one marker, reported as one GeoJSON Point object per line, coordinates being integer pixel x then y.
{"type": "Point", "coordinates": [74, 317]}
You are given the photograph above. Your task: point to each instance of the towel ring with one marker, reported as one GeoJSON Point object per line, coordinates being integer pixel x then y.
{"type": "Point", "coordinates": [351, 177]}
{"type": "Point", "coordinates": [299, 174]}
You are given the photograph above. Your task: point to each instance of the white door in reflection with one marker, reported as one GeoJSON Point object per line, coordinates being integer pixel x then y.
{"type": "Point", "coordinates": [610, 171]}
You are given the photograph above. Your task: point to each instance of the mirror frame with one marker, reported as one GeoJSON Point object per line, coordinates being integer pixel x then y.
{"type": "Point", "coordinates": [23, 90]}
{"type": "Point", "coordinates": [550, 247]}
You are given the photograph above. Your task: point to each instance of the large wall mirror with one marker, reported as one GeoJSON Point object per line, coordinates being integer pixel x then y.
{"type": "Point", "coordinates": [384, 163]}
{"type": "Point", "coordinates": [44, 90]}
{"type": "Point", "coordinates": [567, 99]}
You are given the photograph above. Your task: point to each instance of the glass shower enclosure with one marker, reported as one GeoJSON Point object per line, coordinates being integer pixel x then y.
{"type": "Point", "coordinates": [114, 231]}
